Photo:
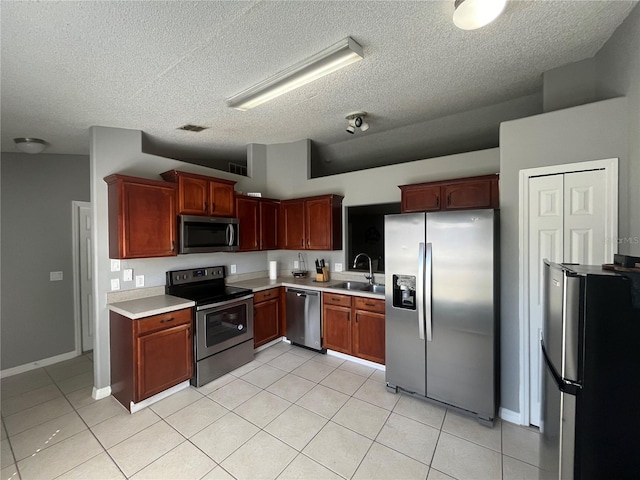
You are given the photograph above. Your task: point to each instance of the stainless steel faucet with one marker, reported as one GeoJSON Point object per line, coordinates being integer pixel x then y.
{"type": "Point", "coordinates": [355, 262]}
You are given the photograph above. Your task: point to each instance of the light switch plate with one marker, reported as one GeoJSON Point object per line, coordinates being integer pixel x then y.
{"type": "Point", "coordinates": [127, 275]}
{"type": "Point", "coordinates": [55, 276]}
{"type": "Point", "coordinates": [115, 284]}
{"type": "Point", "coordinates": [337, 267]}
{"type": "Point", "coordinates": [296, 264]}
{"type": "Point", "coordinates": [139, 280]}
{"type": "Point", "coordinates": [233, 268]}
{"type": "Point", "coordinates": [115, 265]}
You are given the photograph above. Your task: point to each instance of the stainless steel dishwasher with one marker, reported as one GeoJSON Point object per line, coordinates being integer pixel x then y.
{"type": "Point", "coordinates": [304, 318]}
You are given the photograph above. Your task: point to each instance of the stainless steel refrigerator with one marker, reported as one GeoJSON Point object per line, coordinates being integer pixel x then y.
{"type": "Point", "coordinates": [590, 419]}
{"type": "Point", "coordinates": [442, 307]}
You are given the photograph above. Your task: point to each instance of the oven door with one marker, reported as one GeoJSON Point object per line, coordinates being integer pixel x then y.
{"type": "Point", "coordinates": [223, 325]}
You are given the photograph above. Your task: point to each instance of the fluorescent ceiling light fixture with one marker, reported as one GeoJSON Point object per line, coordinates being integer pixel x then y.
{"type": "Point", "coordinates": [337, 56]}
{"type": "Point", "coordinates": [30, 145]}
{"type": "Point", "coordinates": [472, 14]}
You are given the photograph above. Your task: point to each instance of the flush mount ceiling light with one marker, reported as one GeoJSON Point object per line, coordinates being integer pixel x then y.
{"type": "Point", "coordinates": [30, 145]}
{"type": "Point", "coordinates": [356, 120]}
{"type": "Point", "coordinates": [333, 58]}
{"type": "Point", "coordinates": [472, 14]}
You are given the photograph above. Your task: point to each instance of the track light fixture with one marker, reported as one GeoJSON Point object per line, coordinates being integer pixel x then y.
{"type": "Point", "coordinates": [356, 120]}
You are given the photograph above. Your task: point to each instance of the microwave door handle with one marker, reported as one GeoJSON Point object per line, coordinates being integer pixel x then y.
{"type": "Point", "coordinates": [230, 235]}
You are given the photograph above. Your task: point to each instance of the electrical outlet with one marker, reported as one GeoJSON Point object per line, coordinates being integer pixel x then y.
{"type": "Point", "coordinates": [139, 280]}
{"type": "Point", "coordinates": [233, 268]}
{"type": "Point", "coordinates": [115, 265]}
{"type": "Point", "coordinates": [337, 267]}
{"type": "Point", "coordinates": [127, 275]}
{"type": "Point", "coordinates": [296, 264]}
{"type": "Point", "coordinates": [115, 284]}
{"type": "Point", "coordinates": [55, 276]}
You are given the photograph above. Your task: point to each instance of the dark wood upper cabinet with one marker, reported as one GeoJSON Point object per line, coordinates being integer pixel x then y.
{"type": "Point", "coordinates": [258, 222]}
{"type": "Point", "coordinates": [202, 195]}
{"type": "Point", "coordinates": [312, 223]}
{"type": "Point", "coordinates": [142, 217]}
{"type": "Point", "coordinates": [462, 193]}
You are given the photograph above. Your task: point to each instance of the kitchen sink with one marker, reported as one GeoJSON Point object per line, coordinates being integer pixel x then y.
{"type": "Point", "coordinates": [360, 286]}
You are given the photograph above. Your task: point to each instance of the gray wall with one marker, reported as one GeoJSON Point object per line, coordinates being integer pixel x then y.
{"type": "Point", "coordinates": [37, 314]}
{"type": "Point", "coordinates": [618, 73]}
{"type": "Point", "coordinates": [589, 132]}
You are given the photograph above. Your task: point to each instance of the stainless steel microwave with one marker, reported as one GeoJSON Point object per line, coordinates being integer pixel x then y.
{"type": "Point", "coordinates": [200, 234]}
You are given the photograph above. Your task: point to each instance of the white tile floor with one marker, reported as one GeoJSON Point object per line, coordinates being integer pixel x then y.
{"type": "Point", "coordinates": [290, 414]}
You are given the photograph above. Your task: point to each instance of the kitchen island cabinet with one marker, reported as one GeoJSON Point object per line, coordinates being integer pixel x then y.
{"type": "Point", "coordinates": [149, 355]}
{"type": "Point", "coordinates": [461, 193]}
{"type": "Point", "coordinates": [312, 223]}
{"type": "Point", "coordinates": [266, 316]}
{"type": "Point", "coordinates": [202, 195]}
{"type": "Point", "coordinates": [142, 217]}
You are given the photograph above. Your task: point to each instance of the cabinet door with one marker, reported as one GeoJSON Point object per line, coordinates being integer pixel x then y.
{"type": "Point", "coordinates": [269, 225]}
{"type": "Point", "coordinates": [318, 224]}
{"type": "Point", "coordinates": [293, 216]}
{"type": "Point", "coordinates": [266, 322]}
{"type": "Point", "coordinates": [336, 328]}
{"type": "Point", "coordinates": [148, 224]}
{"type": "Point", "coordinates": [193, 196]}
{"type": "Point", "coordinates": [368, 335]}
{"type": "Point", "coordinates": [420, 199]}
{"type": "Point", "coordinates": [221, 199]}
{"type": "Point", "coordinates": [247, 210]}
{"type": "Point", "coordinates": [164, 359]}
{"type": "Point", "coordinates": [470, 194]}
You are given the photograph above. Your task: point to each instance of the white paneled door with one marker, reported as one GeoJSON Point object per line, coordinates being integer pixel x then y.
{"type": "Point", "coordinates": [567, 223]}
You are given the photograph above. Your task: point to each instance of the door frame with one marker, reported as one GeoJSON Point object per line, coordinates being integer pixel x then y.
{"type": "Point", "coordinates": [610, 167]}
{"type": "Point", "coordinates": [75, 230]}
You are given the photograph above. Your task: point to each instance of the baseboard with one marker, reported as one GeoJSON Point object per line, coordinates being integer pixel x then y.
{"type": "Point", "coordinates": [39, 364]}
{"type": "Point", "coordinates": [510, 416]}
{"type": "Point", "coordinates": [361, 361]}
{"type": "Point", "coordinates": [135, 407]}
{"type": "Point", "coordinates": [100, 393]}
{"type": "Point", "coordinates": [270, 344]}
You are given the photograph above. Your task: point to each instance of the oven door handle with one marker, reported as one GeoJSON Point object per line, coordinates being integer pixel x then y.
{"type": "Point", "coordinates": [215, 306]}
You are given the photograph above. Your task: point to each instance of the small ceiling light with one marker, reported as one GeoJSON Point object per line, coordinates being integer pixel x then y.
{"type": "Point", "coordinates": [30, 145]}
{"type": "Point", "coordinates": [333, 58]}
{"type": "Point", "coordinates": [356, 120]}
{"type": "Point", "coordinates": [472, 14]}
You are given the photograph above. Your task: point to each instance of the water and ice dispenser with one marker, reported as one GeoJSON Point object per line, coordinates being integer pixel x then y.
{"type": "Point", "coordinates": [404, 291]}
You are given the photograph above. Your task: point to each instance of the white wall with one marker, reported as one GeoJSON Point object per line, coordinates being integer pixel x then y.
{"type": "Point", "coordinates": [588, 132]}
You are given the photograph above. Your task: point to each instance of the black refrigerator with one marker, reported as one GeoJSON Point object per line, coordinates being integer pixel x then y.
{"type": "Point", "coordinates": [590, 341]}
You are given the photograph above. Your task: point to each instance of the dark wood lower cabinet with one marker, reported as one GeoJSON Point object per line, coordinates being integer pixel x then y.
{"type": "Point", "coordinates": [354, 325]}
{"type": "Point", "coordinates": [150, 355]}
{"type": "Point", "coordinates": [266, 316]}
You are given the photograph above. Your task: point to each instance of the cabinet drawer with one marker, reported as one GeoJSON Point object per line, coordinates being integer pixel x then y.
{"type": "Point", "coordinates": [266, 295]}
{"type": "Point", "coordinates": [164, 320]}
{"type": "Point", "coordinates": [336, 299]}
{"type": "Point", "coordinates": [370, 304]}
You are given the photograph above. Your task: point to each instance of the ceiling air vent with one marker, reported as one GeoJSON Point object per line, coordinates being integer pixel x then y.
{"type": "Point", "coordinates": [192, 128]}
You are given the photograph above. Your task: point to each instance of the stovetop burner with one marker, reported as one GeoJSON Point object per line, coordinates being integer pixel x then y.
{"type": "Point", "coordinates": [202, 285]}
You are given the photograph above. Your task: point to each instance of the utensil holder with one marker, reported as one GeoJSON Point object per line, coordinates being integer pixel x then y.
{"type": "Point", "coordinates": [324, 276]}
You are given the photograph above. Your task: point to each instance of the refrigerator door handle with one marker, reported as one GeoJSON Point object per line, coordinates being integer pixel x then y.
{"type": "Point", "coordinates": [427, 293]}
{"type": "Point", "coordinates": [420, 290]}
{"type": "Point", "coordinates": [564, 385]}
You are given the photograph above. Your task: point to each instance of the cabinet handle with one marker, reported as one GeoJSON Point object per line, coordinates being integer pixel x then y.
{"type": "Point", "coordinates": [449, 199]}
{"type": "Point", "coordinates": [205, 206]}
{"type": "Point", "coordinates": [308, 243]}
{"type": "Point", "coordinates": [213, 206]}
{"type": "Point", "coordinates": [167, 320]}
{"type": "Point", "coordinates": [348, 317]}
{"type": "Point", "coordinates": [438, 201]}
{"type": "Point", "coordinates": [370, 304]}
{"type": "Point", "coordinates": [267, 295]}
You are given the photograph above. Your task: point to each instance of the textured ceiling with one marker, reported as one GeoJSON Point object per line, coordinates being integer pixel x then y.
{"type": "Point", "coordinates": [154, 66]}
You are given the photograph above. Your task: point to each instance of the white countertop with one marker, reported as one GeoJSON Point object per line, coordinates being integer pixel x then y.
{"type": "Point", "coordinates": [147, 306]}
{"type": "Point", "coordinates": [258, 284]}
